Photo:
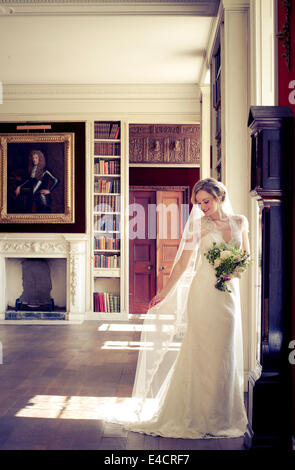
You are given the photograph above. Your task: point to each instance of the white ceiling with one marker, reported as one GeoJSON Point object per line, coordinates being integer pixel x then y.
{"type": "Point", "coordinates": [73, 48]}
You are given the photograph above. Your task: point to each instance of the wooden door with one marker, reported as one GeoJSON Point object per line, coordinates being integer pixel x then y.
{"type": "Point", "coordinates": [142, 250]}
{"type": "Point", "coordinates": [169, 223]}
{"type": "Point", "coordinates": [154, 235]}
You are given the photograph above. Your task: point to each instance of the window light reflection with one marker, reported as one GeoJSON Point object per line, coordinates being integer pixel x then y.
{"type": "Point", "coordinates": [77, 407]}
{"type": "Point", "coordinates": [131, 345]}
{"type": "Point", "coordinates": [133, 328]}
{"type": "Point", "coordinates": [136, 345]}
{"type": "Point", "coordinates": [69, 407]}
{"type": "Point", "coordinates": [125, 327]}
{"type": "Point", "coordinates": [152, 316]}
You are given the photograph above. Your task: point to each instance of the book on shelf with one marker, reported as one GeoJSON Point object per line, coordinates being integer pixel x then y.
{"type": "Point", "coordinates": [107, 148]}
{"type": "Point", "coordinates": [106, 261]}
{"type": "Point", "coordinates": [218, 152]}
{"type": "Point", "coordinates": [106, 302]}
{"type": "Point", "coordinates": [217, 62]}
{"type": "Point", "coordinates": [106, 243]}
{"type": "Point", "coordinates": [106, 186]}
{"type": "Point", "coordinates": [217, 92]}
{"type": "Point", "coordinates": [106, 130]}
{"type": "Point", "coordinates": [101, 129]}
{"type": "Point", "coordinates": [107, 203]}
{"type": "Point", "coordinates": [115, 130]}
{"type": "Point", "coordinates": [107, 167]}
{"type": "Point", "coordinates": [218, 121]}
{"type": "Point", "coordinates": [107, 222]}
{"type": "Point", "coordinates": [219, 172]}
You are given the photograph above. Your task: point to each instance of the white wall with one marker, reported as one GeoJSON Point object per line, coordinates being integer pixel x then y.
{"type": "Point", "coordinates": [159, 102]}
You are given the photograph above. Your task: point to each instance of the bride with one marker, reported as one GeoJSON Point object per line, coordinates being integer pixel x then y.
{"type": "Point", "coordinates": [189, 377]}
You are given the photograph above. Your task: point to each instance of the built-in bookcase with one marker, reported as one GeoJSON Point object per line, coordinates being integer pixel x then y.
{"type": "Point", "coordinates": [217, 112]}
{"type": "Point", "coordinates": [107, 219]}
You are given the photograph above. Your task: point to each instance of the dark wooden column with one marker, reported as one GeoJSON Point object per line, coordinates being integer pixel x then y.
{"type": "Point", "coordinates": [272, 187]}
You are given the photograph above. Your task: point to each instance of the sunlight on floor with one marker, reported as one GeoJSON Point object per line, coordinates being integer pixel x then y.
{"type": "Point", "coordinates": [152, 316]}
{"type": "Point", "coordinates": [136, 345]}
{"type": "Point", "coordinates": [132, 345]}
{"type": "Point", "coordinates": [63, 407]}
{"type": "Point", "coordinates": [76, 407]}
{"type": "Point", "coordinates": [125, 327]}
{"type": "Point", "coordinates": [166, 325]}
{"type": "Point", "coordinates": [68, 407]}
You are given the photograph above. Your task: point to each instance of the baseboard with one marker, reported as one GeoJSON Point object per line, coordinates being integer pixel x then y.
{"type": "Point", "coordinates": [35, 315]}
{"type": "Point", "coordinates": [40, 322]}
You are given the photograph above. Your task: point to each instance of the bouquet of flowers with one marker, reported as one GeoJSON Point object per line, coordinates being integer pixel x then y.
{"type": "Point", "coordinates": [228, 262]}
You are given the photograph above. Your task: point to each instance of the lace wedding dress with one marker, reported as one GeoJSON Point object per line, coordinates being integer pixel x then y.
{"type": "Point", "coordinates": [202, 394]}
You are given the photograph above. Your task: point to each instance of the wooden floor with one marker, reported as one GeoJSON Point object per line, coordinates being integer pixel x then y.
{"type": "Point", "coordinates": [55, 378]}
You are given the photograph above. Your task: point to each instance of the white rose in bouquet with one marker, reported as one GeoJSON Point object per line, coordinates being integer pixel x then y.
{"type": "Point", "coordinates": [217, 262]}
{"type": "Point", "coordinates": [229, 262]}
{"type": "Point", "coordinates": [225, 254]}
{"type": "Point", "coordinates": [238, 272]}
{"type": "Point", "coordinates": [241, 269]}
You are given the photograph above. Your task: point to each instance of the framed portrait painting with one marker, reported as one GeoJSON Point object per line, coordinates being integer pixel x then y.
{"type": "Point", "coordinates": [37, 178]}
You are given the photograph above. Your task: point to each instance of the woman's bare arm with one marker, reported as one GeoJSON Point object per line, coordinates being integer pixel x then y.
{"type": "Point", "coordinates": [245, 241]}
{"type": "Point", "coordinates": [175, 275]}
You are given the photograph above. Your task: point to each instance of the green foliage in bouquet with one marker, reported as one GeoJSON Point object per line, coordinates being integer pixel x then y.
{"type": "Point", "coordinates": [228, 262]}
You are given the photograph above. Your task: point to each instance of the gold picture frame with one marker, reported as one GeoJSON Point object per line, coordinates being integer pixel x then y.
{"type": "Point", "coordinates": [37, 178]}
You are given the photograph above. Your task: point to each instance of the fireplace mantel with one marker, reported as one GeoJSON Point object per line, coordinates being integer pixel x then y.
{"type": "Point", "coordinates": [69, 246]}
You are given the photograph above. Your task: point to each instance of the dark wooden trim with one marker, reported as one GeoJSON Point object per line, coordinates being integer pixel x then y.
{"type": "Point", "coordinates": [272, 186]}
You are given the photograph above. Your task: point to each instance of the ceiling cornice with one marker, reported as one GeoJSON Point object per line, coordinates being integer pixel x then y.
{"type": "Point", "coordinates": [109, 7]}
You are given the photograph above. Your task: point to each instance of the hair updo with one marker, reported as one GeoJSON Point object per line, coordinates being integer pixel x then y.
{"type": "Point", "coordinates": [211, 186]}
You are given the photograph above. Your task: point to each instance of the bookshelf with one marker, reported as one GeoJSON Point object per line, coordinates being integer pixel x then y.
{"type": "Point", "coordinates": [107, 220]}
{"type": "Point", "coordinates": [216, 90]}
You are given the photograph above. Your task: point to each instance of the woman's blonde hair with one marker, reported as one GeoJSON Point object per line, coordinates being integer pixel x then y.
{"type": "Point", "coordinates": [211, 186]}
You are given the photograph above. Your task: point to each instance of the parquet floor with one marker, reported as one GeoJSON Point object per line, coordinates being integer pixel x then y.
{"type": "Point", "coordinates": [55, 378]}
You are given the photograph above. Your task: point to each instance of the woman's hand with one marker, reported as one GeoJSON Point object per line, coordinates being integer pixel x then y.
{"type": "Point", "coordinates": [157, 299]}
{"type": "Point", "coordinates": [17, 191]}
{"type": "Point", "coordinates": [175, 274]}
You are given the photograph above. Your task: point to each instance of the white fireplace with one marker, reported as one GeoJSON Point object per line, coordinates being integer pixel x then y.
{"type": "Point", "coordinates": [58, 280]}
{"type": "Point", "coordinates": [54, 247]}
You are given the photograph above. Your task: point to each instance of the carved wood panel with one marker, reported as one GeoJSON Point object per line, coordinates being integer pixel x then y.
{"type": "Point", "coordinates": [164, 143]}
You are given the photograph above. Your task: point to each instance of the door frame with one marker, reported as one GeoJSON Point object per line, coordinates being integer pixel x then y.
{"type": "Point", "coordinates": [185, 190]}
{"type": "Point", "coordinates": [186, 200]}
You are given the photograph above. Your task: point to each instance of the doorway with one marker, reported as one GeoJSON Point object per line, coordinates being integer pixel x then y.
{"type": "Point", "coordinates": [157, 217]}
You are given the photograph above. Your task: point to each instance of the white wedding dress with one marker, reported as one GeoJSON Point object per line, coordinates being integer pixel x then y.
{"type": "Point", "coordinates": [202, 396]}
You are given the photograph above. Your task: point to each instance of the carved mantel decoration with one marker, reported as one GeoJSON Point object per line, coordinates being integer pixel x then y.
{"type": "Point", "coordinates": [72, 247]}
{"type": "Point", "coordinates": [164, 144]}
{"type": "Point", "coordinates": [285, 33]}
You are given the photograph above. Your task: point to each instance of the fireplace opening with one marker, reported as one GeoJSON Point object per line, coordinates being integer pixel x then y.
{"type": "Point", "coordinates": [35, 288]}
